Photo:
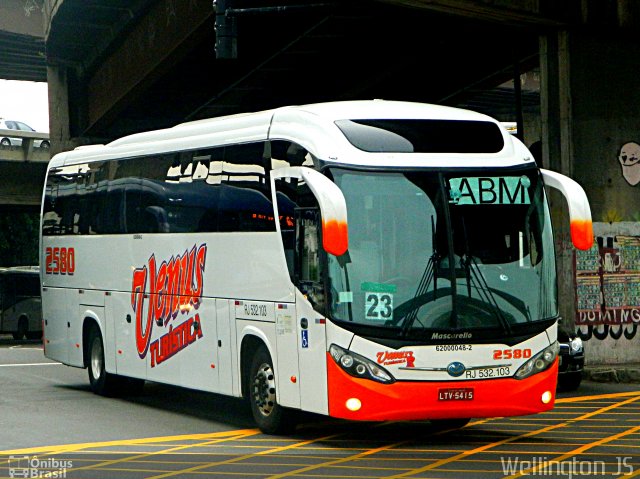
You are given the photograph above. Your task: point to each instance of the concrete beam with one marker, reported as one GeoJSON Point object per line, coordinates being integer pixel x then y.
{"type": "Point", "coordinates": [147, 52]}
{"type": "Point", "coordinates": [26, 152]}
{"type": "Point", "coordinates": [24, 17]}
{"type": "Point", "coordinates": [521, 13]}
{"type": "Point", "coordinates": [24, 183]}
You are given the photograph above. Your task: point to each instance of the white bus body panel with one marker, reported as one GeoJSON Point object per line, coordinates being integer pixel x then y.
{"type": "Point", "coordinates": [429, 363]}
{"type": "Point", "coordinates": [258, 275]}
{"type": "Point", "coordinates": [313, 127]}
{"type": "Point", "coordinates": [312, 358]}
{"type": "Point", "coordinates": [288, 374]}
{"type": "Point", "coordinates": [227, 365]}
{"type": "Point", "coordinates": [59, 306]}
{"type": "Point", "coordinates": [121, 320]}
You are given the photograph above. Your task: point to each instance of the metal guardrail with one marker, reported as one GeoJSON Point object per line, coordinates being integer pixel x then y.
{"type": "Point", "coordinates": [25, 152]}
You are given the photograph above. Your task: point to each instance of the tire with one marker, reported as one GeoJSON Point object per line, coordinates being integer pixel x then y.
{"type": "Point", "coordinates": [446, 424]}
{"type": "Point", "coordinates": [22, 330]}
{"type": "Point", "coordinates": [5, 142]}
{"type": "Point", "coordinates": [270, 417]}
{"type": "Point", "coordinates": [45, 145]}
{"type": "Point", "coordinates": [102, 382]}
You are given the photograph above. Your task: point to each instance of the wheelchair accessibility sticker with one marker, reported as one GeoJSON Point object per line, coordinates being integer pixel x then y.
{"type": "Point", "coordinates": [305, 338]}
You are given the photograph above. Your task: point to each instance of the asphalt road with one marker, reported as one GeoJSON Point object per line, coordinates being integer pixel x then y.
{"type": "Point", "coordinates": [51, 425]}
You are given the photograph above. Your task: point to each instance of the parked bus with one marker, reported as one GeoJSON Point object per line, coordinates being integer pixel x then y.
{"type": "Point", "coordinates": [366, 260]}
{"type": "Point", "coordinates": [20, 307]}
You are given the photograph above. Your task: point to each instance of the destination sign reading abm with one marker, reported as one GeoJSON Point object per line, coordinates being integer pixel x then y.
{"type": "Point", "coordinates": [490, 190]}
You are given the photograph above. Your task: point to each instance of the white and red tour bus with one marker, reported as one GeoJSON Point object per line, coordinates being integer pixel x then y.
{"type": "Point", "coordinates": [367, 260]}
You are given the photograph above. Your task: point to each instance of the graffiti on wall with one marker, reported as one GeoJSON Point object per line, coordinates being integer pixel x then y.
{"type": "Point", "coordinates": [607, 280]}
{"type": "Point", "coordinates": [629, 158]}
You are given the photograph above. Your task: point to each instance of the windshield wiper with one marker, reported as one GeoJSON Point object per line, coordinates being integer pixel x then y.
{"type": "Point", "coordinates": [476, 278]}
{"type": "Point", "coordinates": [430, 274]}
{"type": "Point", "coordinates": [486, 293]}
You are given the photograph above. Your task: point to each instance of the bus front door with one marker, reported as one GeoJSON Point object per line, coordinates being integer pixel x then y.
{"type": "Point", "coordinates": [310, 303]}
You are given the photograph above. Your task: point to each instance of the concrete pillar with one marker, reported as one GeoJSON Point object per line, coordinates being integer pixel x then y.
{"type": "Point", "coordinates": [591, 132]}
{"type": "Point", "coordinates": [606, 116]}
{"type": "Point", "coordinates": [556, 130]}
{"type": "Point", "coordinates": [59, 118]}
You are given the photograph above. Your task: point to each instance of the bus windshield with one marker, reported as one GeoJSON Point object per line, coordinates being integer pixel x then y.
{"type": "Point", "coordinates": [432, 252]}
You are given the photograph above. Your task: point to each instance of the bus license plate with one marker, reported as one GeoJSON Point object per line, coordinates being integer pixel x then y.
{"type": "Point", "coordinates": [455, 394]}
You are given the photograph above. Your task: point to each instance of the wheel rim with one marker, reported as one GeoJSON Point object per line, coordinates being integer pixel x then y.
{"type": "Point", "coordinates": [264, 389]}
{"type": "Point", "coordinates": [96, 358]}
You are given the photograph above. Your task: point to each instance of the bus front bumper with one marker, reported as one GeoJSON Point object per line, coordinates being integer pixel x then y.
{"type": "Point", "coordinates": [366, 400]}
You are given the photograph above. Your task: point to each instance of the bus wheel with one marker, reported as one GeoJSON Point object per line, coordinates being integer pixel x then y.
{"type": "Point", "coordinates": [101, 381]}
{"type": "Point", "coordinates": [270, 417]}
{"type": "Point", "coordinates": [23, 327]}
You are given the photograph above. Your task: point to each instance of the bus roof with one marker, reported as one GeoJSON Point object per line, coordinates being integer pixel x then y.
{"type": "Point", "coordinates": [314, 127]}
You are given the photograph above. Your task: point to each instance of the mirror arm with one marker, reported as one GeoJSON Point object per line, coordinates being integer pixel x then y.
{"type": "Point", "coordinates": [579, 210]}
{"type": "Point", "coordinates": [333, 206]}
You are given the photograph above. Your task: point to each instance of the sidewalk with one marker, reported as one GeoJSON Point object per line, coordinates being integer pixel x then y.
{"type": "Point", "coordinates": [616, 373]}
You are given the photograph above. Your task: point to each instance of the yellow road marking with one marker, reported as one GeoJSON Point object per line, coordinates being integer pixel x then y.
{"type": "Point", "coordinates": [576, 452]}
{"type": "Point", "coordinates": [244, 433]}
{"type": "Point", "coordinates": [597, 397]}
{"type": "Point", "coordinates": [442, 462]}
{"type": "Point", "coordinates": [633, 474]}
{"type": "Point", "coordinates": [335, 462]}
{"type": "Point", "coordinates": [246, 456]}
{"type": "Point", "coordinates": [124, 442]}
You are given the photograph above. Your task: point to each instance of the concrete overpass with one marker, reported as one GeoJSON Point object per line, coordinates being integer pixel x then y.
{"type": "Point", "coordinates": [22, 49]}
{"type": "Point", "coordinates": [22, 57]}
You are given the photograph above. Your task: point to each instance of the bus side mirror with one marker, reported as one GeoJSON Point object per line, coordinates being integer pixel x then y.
{"type": "Point", "coordinates": [333, 207]}
{"type": "Point", "coordinates": [579, 211]}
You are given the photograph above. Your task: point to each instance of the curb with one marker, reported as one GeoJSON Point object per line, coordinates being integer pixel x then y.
{"type": "Point", "coordinates": [612, 374]}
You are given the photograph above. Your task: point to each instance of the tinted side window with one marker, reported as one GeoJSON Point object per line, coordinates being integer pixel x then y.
{"type": "Point", "coordinates": [26, 285]}
{"type": "Point", "coordinates": [292, 196]}
{"type": "Point", "coordinates": [209, 190]}
{"type": "Point", "coordinates": [61, 207]}
{"type": "Point", "coordinates": [245, 202]}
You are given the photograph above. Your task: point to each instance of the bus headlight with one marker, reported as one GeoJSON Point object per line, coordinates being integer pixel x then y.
{"type": "Point", "coordinates": [539, 362]}
{"type": "Point", "coordinates": [359, 366]}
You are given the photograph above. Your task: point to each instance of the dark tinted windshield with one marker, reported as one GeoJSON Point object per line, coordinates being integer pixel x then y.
{"type": "Point", "coordinates": [423, 136]}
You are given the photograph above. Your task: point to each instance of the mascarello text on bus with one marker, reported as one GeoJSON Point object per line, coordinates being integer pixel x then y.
{"type": "Point", "coordinates": [367, 260]}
